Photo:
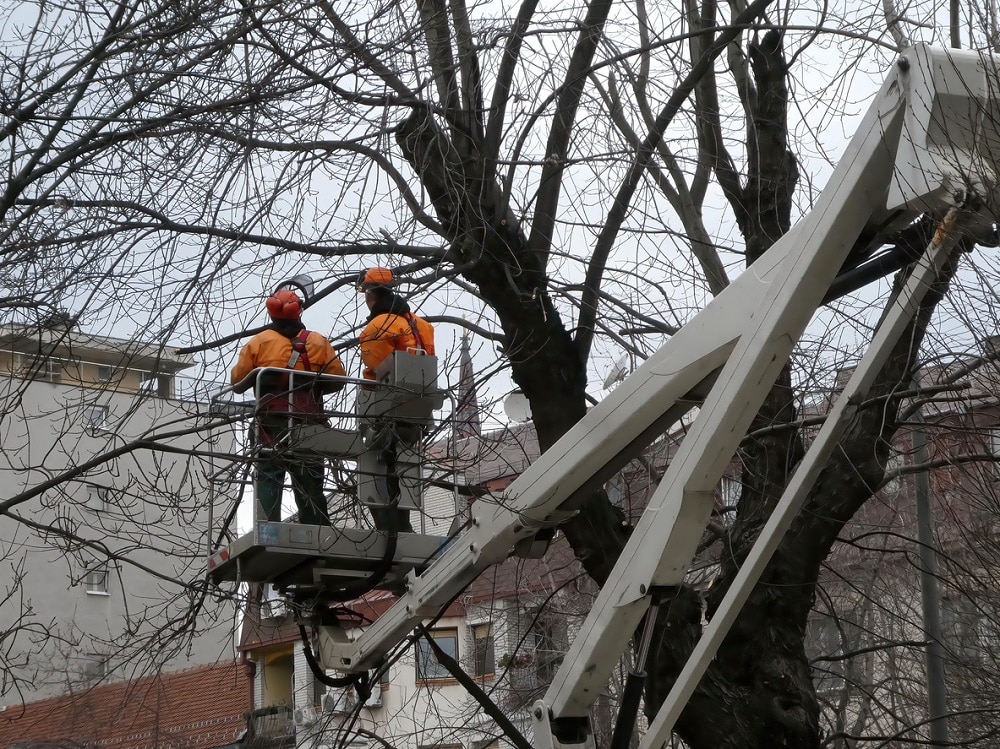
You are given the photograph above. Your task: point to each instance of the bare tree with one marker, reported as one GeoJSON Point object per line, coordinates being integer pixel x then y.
{"type": "Point", "coordinates": [570, 176]}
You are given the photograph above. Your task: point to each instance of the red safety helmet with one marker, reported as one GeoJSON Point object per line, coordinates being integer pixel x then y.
{"type": "Point", "coordinates": [284, 304]}
{"type": "Point", "coordinates": [375, 277]}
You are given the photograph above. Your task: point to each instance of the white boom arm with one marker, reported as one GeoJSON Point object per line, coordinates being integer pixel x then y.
{"type": "Point", "coordinates": [926, 145]}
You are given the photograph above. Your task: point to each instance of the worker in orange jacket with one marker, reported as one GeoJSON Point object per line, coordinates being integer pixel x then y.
{"type": "Point", "coordinates": [283, 397]}
{"type": "Point", "coordinates": [391, 327]}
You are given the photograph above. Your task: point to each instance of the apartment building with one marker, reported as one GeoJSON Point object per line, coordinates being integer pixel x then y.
{"type": "Point", "coordinates": [107, 496]}
{"type": "Point", "coordinates": [894, 596]}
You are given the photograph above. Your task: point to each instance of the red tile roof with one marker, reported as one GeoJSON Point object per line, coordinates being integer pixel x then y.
{"type": "Point", "coordinates": [197, 708]}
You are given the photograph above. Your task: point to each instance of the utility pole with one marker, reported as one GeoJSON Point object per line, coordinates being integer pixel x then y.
{"type": "Point", "coordinates": [937, 696]}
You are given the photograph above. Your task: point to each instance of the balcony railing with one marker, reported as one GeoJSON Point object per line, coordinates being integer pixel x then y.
{"type": "Point", "coordinates": [270, 728]}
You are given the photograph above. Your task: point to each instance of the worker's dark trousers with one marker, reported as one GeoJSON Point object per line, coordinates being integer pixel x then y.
{"type": "Point", "coordinates": [275, 464]}
{"type": "Point", "coordinates": [307, 486]}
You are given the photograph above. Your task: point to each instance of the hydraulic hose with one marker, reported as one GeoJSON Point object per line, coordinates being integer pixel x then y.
{"type": "Point", "coordinates": [628, 709]}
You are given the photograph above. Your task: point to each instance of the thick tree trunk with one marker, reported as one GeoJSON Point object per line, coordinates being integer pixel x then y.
{"type": "Point", "coordinates": [544, 361]}
{"type": "Point", "coordinates": [488, 242]}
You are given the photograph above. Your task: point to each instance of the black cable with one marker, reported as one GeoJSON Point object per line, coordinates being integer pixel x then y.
{"type": "Point", "coordinates": [894, 259]}
{"type": "Point", "coordinates": [357, 588]}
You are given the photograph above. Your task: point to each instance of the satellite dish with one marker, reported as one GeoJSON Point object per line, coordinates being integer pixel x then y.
{"type": "Point", "coordinates": [618, 372]}
{"type": "Point", "coordinates": [516, 407]}
{"type": "Point", "coordinates": [300, 283]}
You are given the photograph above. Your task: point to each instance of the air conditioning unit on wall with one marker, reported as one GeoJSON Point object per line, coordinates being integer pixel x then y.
{"type": "Point", "coordinates": [273, 609]}
{"type": "Point", "coordinates": [305, 716]}
{"type": "Point", "coordinates": [273, 605]}
{"type": "Point", "coordinates": [339, 701]}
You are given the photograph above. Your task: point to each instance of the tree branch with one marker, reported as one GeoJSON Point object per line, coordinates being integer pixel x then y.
{"type": "Point", "coordinates": [550, 180]}
{"type": "Point", "coordinates": [620, 205]}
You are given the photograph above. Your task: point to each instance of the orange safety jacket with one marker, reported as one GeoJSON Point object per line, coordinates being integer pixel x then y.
{"type": "Point", "coordinates": [391, 331]}
{"type": "Point", "coordinates": [307, 351]}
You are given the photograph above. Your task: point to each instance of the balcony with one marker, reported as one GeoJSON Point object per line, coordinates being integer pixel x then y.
{"type": "Point", "coordinates": [270, 728]}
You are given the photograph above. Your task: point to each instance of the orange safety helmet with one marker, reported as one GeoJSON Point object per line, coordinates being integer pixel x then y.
{"type": "Point", "coordinates": [375, 277]}
{"type": "Point", "coordinates": [284, 304]}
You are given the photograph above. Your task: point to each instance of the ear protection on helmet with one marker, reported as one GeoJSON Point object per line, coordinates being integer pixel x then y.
{"type": "Point", "coordinates": [284, 304]}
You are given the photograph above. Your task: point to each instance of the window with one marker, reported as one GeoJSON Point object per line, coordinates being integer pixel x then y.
{"type": "Point", "coordinates": [42, 368]}
{"type": "Point", "coordinates": [824, 646]}
{"type": "Point", "coordinates": [51, 370]}
{"type": "Point", "coordinates": [95, 418]}
{"type": "Point", "coordinates": [428, 666]}
{"type": "Point", "coordinates": [318, 689]}
{"type": "Point", "coordinates": [893, 483]}
{"type": "Point", "coordinates": [482, 648]}
{"type": "Point", "coordinates": [548, 657]}
{"type": "Point", "coordinates": [729, 492]}
{"type": "Point", "coordinates": [970, 628]}
{"type": "Point", "coordinates": [995, 449]}
{"type": "Point", "coordinates": [95, 666]}
{"type": "Point", "coordinates": [616, 490]}
{"type": "Point", "coordinates": [156, 384]}
{"type": "Point", "coordinates": [485, 744]}
{"type": "Point", "coordinates": [988, 632]}
{"type": "Point", "coordinates": [105, 372]}
{"type": "Point", "coordinates": [96, 581]}
{"type": "Point", "coordinates": [273, 604]}
{"type": "Point", "coordinates": [97, 498]}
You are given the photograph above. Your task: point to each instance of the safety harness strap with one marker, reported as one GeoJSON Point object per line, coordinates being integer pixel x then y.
{"type": "Point", "coordinates": [416, 333]}
{"type": "Point", "coordinates": [299, 351]}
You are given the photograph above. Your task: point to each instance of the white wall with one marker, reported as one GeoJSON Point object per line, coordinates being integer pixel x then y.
{"type": "Point", "coordinates": [152, 535]}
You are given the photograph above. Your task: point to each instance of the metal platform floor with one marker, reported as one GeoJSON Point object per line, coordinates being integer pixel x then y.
{"type": "Point", "coordinates": [290, 554]}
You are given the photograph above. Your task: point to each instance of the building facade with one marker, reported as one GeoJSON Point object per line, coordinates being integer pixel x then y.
{"type": "Point", "coordinates": [106, 479]}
